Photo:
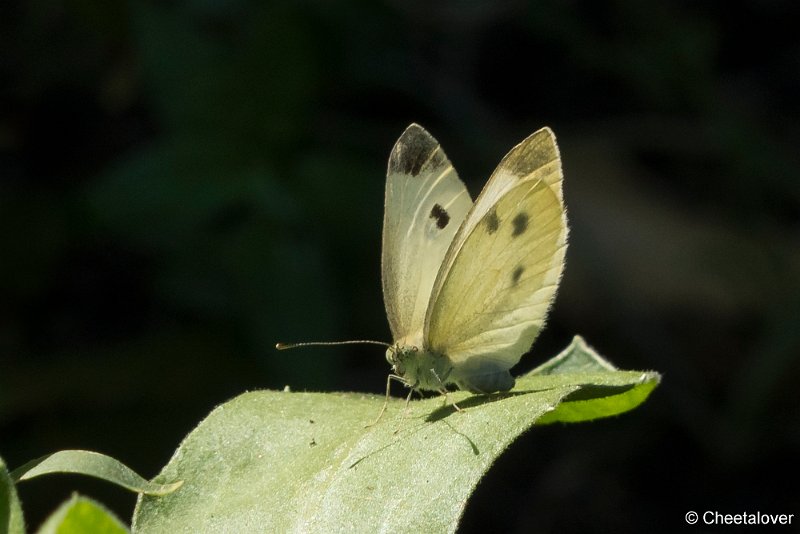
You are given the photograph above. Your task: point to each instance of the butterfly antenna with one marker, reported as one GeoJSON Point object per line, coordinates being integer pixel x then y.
{"type": "Point", "coordinates": [285, 346]}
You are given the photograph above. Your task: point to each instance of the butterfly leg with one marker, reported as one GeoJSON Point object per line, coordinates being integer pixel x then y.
{"type": "Point", "coordinates": [386, 401]}
{"type": "Point", "coordinates": [443, 389]}
{"type": "Point", "coordinates": [405, 410]}
{"type": "Point", "coordinates": [445, 393]}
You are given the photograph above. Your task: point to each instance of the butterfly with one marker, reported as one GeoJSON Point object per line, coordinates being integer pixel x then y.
{"type": "Point", "coordinates": [467, 286]}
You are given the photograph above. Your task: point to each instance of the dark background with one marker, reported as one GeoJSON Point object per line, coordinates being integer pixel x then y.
{"type": "Point", "coordinates": [183, 184]}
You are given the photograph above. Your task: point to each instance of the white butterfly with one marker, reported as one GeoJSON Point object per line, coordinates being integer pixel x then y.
{"type": "Point", "coordinates": [467, 286]}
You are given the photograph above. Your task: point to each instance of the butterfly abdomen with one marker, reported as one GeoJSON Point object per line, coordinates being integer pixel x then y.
{"type": "Point", "coordinates": [485, 377]}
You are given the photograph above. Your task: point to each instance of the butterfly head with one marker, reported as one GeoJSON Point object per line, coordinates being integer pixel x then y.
{"type": "Point", "coordinates": [398, 357]}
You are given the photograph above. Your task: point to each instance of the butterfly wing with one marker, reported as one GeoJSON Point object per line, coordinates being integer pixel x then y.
{"type": "Point", "coordinates": [500, 274]}
{"type": "Point", "coordinates": [425, 205]}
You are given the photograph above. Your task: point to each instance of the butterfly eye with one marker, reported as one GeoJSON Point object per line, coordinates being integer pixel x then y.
{"type": "Point", "coordinates": [395, 358]}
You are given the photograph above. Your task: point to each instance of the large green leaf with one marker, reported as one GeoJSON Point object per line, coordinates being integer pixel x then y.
{"type": "Point", "coordinates": [11, 520]}
{"type": "Point", "coordinates": [271, 461]}
{"type": "Point", "coordinates": [80, 515]}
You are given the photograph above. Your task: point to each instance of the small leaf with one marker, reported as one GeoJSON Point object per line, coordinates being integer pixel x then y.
{"type": "Point", "coordinates": [92, 464]}
{"type": "Point", "coordinates": [271, 461]}
{"type": "Point", "coordinates": [578, 357]}
{"type": "Point", "coordinates": [599, 395]}
{"type": "Point", "coordinates": [11, 519]}
{"type": "Point", "coordinates": [79, 515]}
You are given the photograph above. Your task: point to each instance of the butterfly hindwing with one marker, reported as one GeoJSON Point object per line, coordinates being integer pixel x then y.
{"type": "Point", "coordinates": [425, 204]}
{"type": "Point", "coordinates": [501, 272]}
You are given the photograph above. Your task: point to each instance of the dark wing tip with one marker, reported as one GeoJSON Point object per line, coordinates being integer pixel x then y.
{"type": "Point", "coordinates": [412, 150]}
{"type": "Point", "coordinates": [536, 150]}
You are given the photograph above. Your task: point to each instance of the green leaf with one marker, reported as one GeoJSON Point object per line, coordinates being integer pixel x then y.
{"type": "Point", "coordinates": [578, 357]}
{"type": "Point", "coordinates": [271, 461]}
{"type": "Point", "coordinates": [601, 394]}
{"type": "Point", "coordinates": [80, 515]}
{"type": "Point", "coordinates": [11, 519]}
{"type": "Point", "coordinates": [93, 464]}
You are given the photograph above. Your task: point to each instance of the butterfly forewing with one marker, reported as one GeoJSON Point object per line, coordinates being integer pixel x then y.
{"type": "Point", "coordinates": [425, 205]}
{"type": "Point", "coordinates": [501, 272]}
{"type": "Point", "coordinates": [535, 158]}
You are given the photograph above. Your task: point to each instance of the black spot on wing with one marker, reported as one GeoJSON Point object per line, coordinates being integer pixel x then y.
{"type": "Point", "coordinates": [441, 216]}
{"type": "Point", "coordinates": [520, 223]}
{"type": "Point", "coordinates": [492, 222]}
{"type": "Point", "coordinates": [515, 276]}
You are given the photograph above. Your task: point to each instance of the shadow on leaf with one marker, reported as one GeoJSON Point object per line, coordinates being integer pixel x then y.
{"type": "Point", "coordinates": [470, 402]}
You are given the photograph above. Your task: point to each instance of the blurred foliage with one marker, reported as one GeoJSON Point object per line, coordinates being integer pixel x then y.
{"type": "Point", "coordinates": [184, 183]}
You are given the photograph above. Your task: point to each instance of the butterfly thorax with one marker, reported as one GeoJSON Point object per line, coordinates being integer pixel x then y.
{"type": "Point", "coordinates": [418, 367]}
